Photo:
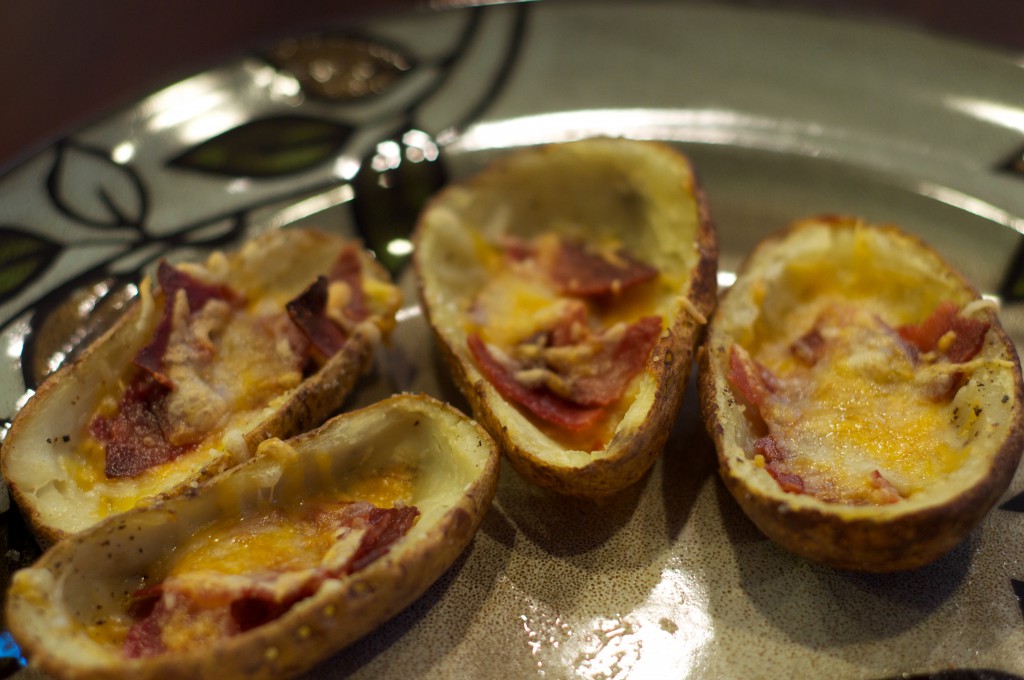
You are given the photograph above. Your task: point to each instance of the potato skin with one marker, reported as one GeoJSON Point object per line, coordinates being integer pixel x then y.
{"type": "Point", "coordinates": [339, 613]}
{"type": "Point", "coordinates": [33, 447]}
{"type": "Point", "coordinates": [843, 536]}
{"type": "Point", "coordinates": [633, 448]}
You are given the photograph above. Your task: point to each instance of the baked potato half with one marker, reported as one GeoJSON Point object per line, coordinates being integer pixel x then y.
{"type": "Point", "coordinates": [567, 286]}
{"type": "Point", "coordinates": [864, 401]}
{"type": "Point", "coordinates": [211, 359]}
{"type": "Point", "coordinates": [271, 566]}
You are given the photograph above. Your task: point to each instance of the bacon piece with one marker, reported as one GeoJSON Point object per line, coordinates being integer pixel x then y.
{"type": "Point", "coordinates": [886, 492]}
{"type": "Point", "coordinates": [615, 365]}
{"type": "Point", "coordinates": [541, 402]}
{"type": "Point", "coordinates": [348, 268]}
{"type": "Point", "coordinates": [967, 339]}
{"type": "Point", "coordinates": [570, 327]}
{"type": "Point", "coordinates": [769, 448]}
{"type": "Point", "coordinates": [383, 527]}
{"type": "Point", "coordinates": [809, 347]}
{"type": "Point", "coordinates": [581, 271]}
{"type": "Point", "coordinates": [134, 437]}
{"type": "Point", "coordinates": [753, 381]}
{"type": "Point", "coordinates": [308, 313]}
{"type": "Point", "coordinates": [150, 358]}
{"type": "Point", "coordinates": [775, 465]}
{"type": "Point", "coordinates": [789, 482]}
{"type": "Point", "coordinates": [309, 310]}
{"type": "Point", "coordinates": [143, 638]}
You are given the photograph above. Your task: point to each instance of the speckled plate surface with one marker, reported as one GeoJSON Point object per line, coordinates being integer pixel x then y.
{"type": "Point", "coordinates": [784, 115]}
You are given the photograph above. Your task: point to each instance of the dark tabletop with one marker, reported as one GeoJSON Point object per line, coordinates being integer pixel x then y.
{"type": "Point", "coordinates": [66, 64]}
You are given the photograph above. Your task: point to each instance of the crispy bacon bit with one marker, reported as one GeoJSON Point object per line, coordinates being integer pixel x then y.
{"type": "Point", "coordinates": [308, 313]}
{"type": "Point", "coordinates": [610, 370]}
{"type": "Point", "coordinates": [582, 271]}
{"type": "Point", "coordinates": [573, 387]}
{"type": "Point", "coordinates": [809, 347]}
{"type": "Point", "coordinates": [325, 330]}
{"type": "Point", "coordinates": [788, 481]}
{"type": "Point", "coordinates": [348, 268]}
{"type": "Point", "coordinates": [886, 492]}
{"type": "Point", "coordinates": [171, 280]}
{"type": "Point", "coordinates": [956, 337]}
{"type": "Point", "coordinates": [143, 638]}
{"type": "Point", "coordinates": [769, 448]}
{"type": "Point", "coordinates": [383, 527]}
{"type": "Point", "coordinates": [753, 381]}
{"type": "Point", "coordinates": [135, 437]}
{"type": "Point", "coordinates": [775, 464]}
{"type": "Point", "coordinates": [541, 402]}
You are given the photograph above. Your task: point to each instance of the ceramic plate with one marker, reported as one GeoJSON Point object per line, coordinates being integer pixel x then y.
{"type": "Point", "coordinates": [785, 115]}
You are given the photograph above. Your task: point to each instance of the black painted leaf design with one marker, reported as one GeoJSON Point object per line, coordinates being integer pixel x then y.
{"type": "Point", "coordinates": [340, 68]}
{"type": "Point", "coordinates": [269, 147]}
{"type": "Point", "coordinates": [88, 186]}
{"type": "Point", "coordinates": [23, 258]}
{"type": "Point", "coordinates": [391, 187]}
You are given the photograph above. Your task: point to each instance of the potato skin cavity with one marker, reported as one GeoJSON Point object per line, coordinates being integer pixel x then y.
{"type": "Point", "coordinates": [54, 468]}
{"type": "Point", "coordinates": [789, 282]}
{"type": "Point", "coordinates": [640, 196]}
{"type": "Point", "coordinates": [55, 606]}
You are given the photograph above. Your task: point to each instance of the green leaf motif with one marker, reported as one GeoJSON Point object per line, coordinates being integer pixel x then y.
{"type": "Point", "coordinates": [266, 148]}
{"type": "Point", "coordinates": [23, 258]}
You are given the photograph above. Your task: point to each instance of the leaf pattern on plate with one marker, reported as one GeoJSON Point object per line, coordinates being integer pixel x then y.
{"type": "Point", "coordinates": [23, 258]}
{"type": "Point", "coordinates": [340, 68]}
{"type": "Point", "coordinates": [391, 187]}
{"type": "Point", "coordinates": [88, 186]}
{"type": "Point", "coordinates": [268, 147]}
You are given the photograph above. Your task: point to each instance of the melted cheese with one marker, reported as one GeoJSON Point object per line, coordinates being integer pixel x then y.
{"type": "Point", "coordinates": [864, 406]}
{"type": "Point", "coordinates": [272, 548]}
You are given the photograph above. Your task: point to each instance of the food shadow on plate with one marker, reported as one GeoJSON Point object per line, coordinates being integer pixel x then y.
{"type": "Point", "coordinates": [819, 607]}
{"type": "Point", "coordinates": [688, 462]}
{"type": "Point", "coordinates": [658, 505]}
{"type": "Point", "coordinates": [445, 612]}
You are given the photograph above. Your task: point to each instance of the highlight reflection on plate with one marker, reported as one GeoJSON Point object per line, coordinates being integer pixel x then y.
{"type": "Point", "coordinates": [783, 115]}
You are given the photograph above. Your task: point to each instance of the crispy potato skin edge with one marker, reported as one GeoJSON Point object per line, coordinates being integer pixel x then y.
{"type": "Point", "coordinates": [632, 455]}
{"type": "Point", "coordinates": [909, 541]}
{"type": "Point", "coordinates": [311, 403]}
{"type": "Point", "coordinates": [320, 625]}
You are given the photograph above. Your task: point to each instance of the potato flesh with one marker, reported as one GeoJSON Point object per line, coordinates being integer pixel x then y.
{"type": "Point", "coordinates": [61, 481]}
{"type": "Point", "coordinates": [926, 449]}
{"type": "Point", "coordinates": [519, 303]}
{"type": "Point", "coordinates": [862, 421]}
{"type": "Point", "coordinates": [271, 547]}
{"type": "Point", "coordinates": [409, 449]}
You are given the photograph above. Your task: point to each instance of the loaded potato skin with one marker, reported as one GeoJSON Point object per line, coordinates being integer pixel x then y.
{"type": "Point", "coordinates": [567, 287]}
{"type": "Point", "coordinates": [265, 341]}
{"type": "Point", "coordinates": [113, 601]}
{"type": "Point", "coordinates": [864, 401]}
